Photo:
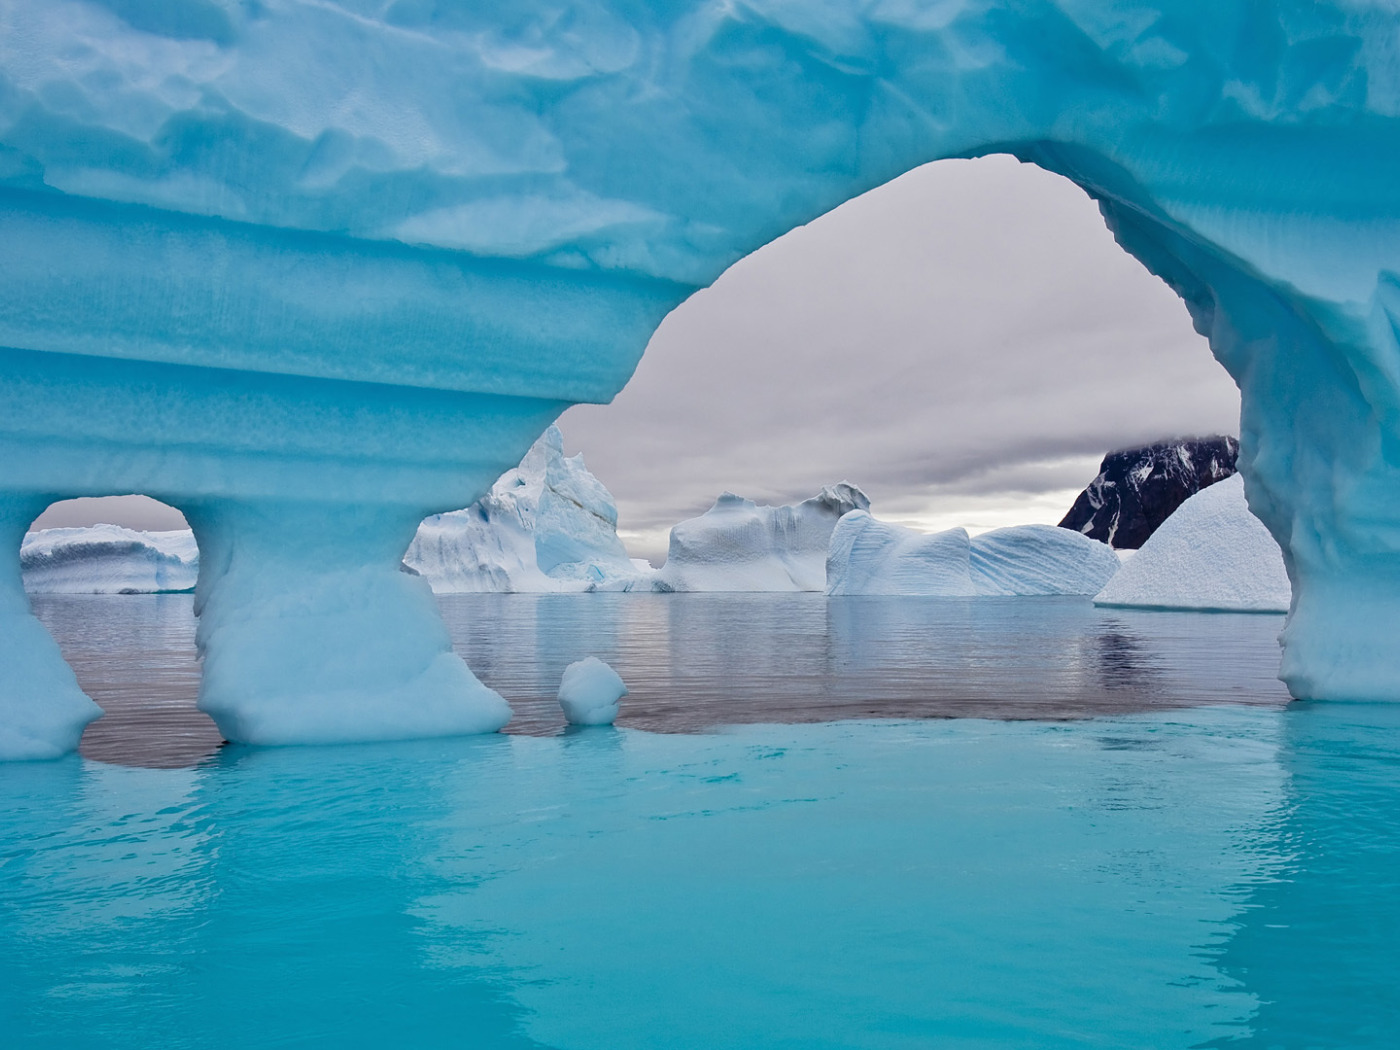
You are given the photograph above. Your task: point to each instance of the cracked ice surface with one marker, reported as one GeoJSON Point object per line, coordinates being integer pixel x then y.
{"type": "Point", "coordinates": [310, 271]}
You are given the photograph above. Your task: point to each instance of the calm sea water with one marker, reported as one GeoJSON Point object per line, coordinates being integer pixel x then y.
{"type": "Point", "coordinates": [696, 661]}
{"type": "Point", "coordinates": [1180, 873]}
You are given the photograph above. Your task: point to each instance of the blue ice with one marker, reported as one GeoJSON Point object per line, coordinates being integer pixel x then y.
{"type": "Point", "coordinates": [310, 271]}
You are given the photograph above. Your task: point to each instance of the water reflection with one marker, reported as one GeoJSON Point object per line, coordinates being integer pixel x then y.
{"type": "Point", "coordinates": [694, 661]}
{"type": "Point", "coordinates": [1224, 877]}
{"type": "Point", "coordinates": [1318, 941]}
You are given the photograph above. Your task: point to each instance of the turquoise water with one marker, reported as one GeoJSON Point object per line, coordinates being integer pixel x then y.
{"type": "Point", "coordinates": [1208, 876]}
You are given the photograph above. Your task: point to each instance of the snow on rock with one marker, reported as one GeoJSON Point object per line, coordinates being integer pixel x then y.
{"type": "Point", "coordinates": [1212, 554]}
{"type": "Point", "coordinates": [108, 559]}
{"type": "Point", "coordinates": [738, 545]}
{"type": "Point", "coordinates": [1040, 559]}
{"type": "Point", "coordinates": [589, 692]}
{"type": "Point", "coordinates": [547, 525]}
{"type": "Point", "coordinates": [1138, 488]}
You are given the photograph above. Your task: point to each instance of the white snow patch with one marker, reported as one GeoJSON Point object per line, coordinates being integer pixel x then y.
{"type": "Point", "coordinates": [1211, 554]}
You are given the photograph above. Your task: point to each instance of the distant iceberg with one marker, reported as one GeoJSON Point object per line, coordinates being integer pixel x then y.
{"type": "Point", "coordinates": [108, 559]}
{"type": "Point", "coordinates": [547, 525]}
{"type": "Point", "coordinates": [1212, 554]}
{"type": "Point", "coordinates": [1040, 559]}
{"type": "Point", "coordinates": [738, 545]}
{"type": "Point", "coordinates": [868, 556]}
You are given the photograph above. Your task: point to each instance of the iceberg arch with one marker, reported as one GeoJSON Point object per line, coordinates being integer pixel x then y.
{"type": "Point", "coordinates": [314, 270]}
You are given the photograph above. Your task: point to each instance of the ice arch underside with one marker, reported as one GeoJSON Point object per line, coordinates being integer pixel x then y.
{"type": "Point", "coordinates": [311, 270]}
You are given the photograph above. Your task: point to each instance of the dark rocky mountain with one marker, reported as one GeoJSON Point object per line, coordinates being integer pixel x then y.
{"type": "Point", "coordinates": [1137, 488]}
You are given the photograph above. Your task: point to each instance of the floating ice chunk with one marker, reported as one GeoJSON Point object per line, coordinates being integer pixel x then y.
{"type": "Point", "coordinates": [738, 545]}
{"type": "Point", "coordinates": [868, 556]}
{"type": "Point", "coordinates": [108, 559]}
{"type": "Point", "coordinates": [1040, 559]}
{"type": "Point", "coordinates": [547, 525]}
{"type": "Point", "coordinates": [589, 692]}
{"type": "Point", "coordinates": [1212, 554]}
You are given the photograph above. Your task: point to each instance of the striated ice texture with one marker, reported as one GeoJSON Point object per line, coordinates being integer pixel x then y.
{"type": "Point", "coordinates": [738, 545]}
{"type": "Point", "coordinates": [869, 556]}
{"type": "Point", "coordinates": [547, 525]}
{"type": "Point", "coordinates": [108, 559]}
{"type": "Point", "coordinates": [1040, 559]}
{"type": "Point", "coordinates": [1211, 554]}
{"type": "Point", "coordinates": [312, 271]}
{"type": "Point", "coordinates": [589, 692]}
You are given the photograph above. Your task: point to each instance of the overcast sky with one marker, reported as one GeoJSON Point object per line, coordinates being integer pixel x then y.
{"type": "Point", "coordinates": [964, 343]}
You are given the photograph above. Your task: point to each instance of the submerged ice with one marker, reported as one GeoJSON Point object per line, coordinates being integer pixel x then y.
{"type": "Point", "coordinates": [310, 272]}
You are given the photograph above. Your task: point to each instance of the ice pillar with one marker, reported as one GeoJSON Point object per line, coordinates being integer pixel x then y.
{"type": "Point", "coordinates": [311, 633]}
{"type": "Point", "coordinates": [42, 709]}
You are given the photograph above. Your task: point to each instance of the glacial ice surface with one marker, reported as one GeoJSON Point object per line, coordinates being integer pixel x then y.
{"type": "Point", "coordinates": [1040, 559]}
{"type": "Point", "coordinates": [1211, 554]}
{"type": "Point", "coordinates": [739, 545]}
{"type": "Point", "coordinates": [869, 556]}
{"type": "Point", "coordinates": [108, 559]}
{"type": "Point", "coordinates": [546, 525]}
{"type": "Point", "coordinates": [590, 691]}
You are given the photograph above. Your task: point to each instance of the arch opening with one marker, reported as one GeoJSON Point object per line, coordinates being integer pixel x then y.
{"type": "Point", "coordinates": [112, 580]}
{"type": "Point", "coordinates": [964, 343]}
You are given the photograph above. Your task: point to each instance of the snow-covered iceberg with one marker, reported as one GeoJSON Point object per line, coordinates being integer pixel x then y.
{"type": "Point", "coordinates": [547, 525]}
{"type": "Point", "coordinates": [868, 556]}
{"type": "Point", "coordinates": [310, 272]}
{"type": "Point", "coordinates": [108, 559]}
{"type": "Point", "coordinates": [739, 545]}
{"type": "Point", "coordinates": [1040, 559]}
{"type": "Point", "coordinates": [1211, 554]}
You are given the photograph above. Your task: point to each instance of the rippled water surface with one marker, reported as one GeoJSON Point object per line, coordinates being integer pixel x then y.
{"type": "Point", "coordinates": [695, 661]}
{"type": "Point", "coordinates": [1179, 873]}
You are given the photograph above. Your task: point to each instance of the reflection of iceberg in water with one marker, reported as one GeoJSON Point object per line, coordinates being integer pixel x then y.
{"type": "Point", "coordinates": [693, 661]}
{"type": "Point", "coordinates": [1318, 940]}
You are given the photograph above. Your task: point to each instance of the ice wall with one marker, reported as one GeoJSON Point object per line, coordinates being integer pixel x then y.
{"type": "Point", "coordinates": [290, 265]}
{"type": "Point", "coordinates": [108, 559]}
{"type": "Point", "coordinates": [869, 556]}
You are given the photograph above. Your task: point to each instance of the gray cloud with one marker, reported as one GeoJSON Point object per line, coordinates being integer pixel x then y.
{"type": "Point", "coordinates": [966, 334]}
